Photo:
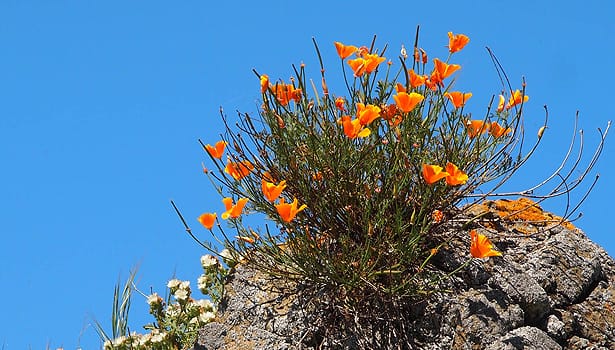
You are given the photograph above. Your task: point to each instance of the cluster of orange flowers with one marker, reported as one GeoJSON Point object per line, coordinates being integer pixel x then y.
{"type": "Point", "coordinates": [479, 127]}
{"type": "Point", "coordinates": [271, 191]}
{"type": "Point", "coordinates": [284, 93]}
{"type": "Point", "coordinates": [435, 173]}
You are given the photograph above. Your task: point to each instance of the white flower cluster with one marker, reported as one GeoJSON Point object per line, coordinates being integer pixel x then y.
{"type": "Point", "coordinates": [155, 339]}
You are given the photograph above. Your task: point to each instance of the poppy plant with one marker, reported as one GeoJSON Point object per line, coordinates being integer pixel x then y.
{"type": "Point", "coordinates": [217, 150]}
{"type": "Point", "coordinates": [208, 220]}
{"type": "Point", "coordinates": [344, 50]}
{"type": "Point", "coordinates": [433, 173]}
{"type": "Point", "coordinates": [458, 99]}
{"type": "Point", "coordinates": [233, 210]}
{"type": "Point", "coordinates": [456, 42]}
{"type": "Point", "coordinates": [455, 176]}
{"type": "Point", "coordinates": [238, 170]}
{"type": "Point", "coordinates": [407, 101]}
{"type": "Point", "coordinates": [271, 190]}
{"type": "Point", "coordinates": [358, 66]}
{"type": "Point", "coordinates": [497, 131]}
{"type": "Point", "coordinates": [481, 247]}
{"type": "Point", "coordinates": [288, 211]}
{"type": "Point", "coordinates": [476, 127]}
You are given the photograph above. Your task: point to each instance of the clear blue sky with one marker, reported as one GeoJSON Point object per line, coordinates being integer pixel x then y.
{"type": "Point", "coordinates": [102, 103]}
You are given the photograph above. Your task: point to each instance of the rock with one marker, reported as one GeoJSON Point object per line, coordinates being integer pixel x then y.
{"type": "Point", "coordinates": [553, 289]}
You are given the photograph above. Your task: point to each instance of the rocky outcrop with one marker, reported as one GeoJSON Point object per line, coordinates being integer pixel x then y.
{"type": "Point", "coordinates": [551, 289]}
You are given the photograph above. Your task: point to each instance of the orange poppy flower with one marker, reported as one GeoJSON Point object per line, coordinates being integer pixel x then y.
{"type": "Point", "coordinates": [286, 92]}
{"type": "Point", "coordinates": [216, 151]}
{"type": "Point", "coordinates": [455, 176]}
{"type": "Point", "coordinates": [399, 87]}
{"type": "Point", "coordinates": [476, 127]}
{"type": "Point", "coordinates": [442, 70]}
{"type": "Point", "coordinates": [459, 99]}
{"type": "Point", "coordinates": [208, 220]}
{"type": "Point", "coordinates": [406, 102]}
{"type": "Point", "coordinates": [339, 103]}
{"type": "Point", "coordinates": [238, 170]}
{"type": "Point", "coordinates": [344, 50]}
{"type": "Point", "coordinates": [353, 128]}
{"type": "Point", "coordinates": [456, 42]}
{"type": "Point", "coordinates": [497, 131]}
{"type": "Point", "coordinates": [481, 247]}
{"type": "Point", "coordinates": [288, 211]}
{"type": "Point", "coordinates": [271, 190]}
{"type": "Point", "coordinates": [433, 173]}
{"type": "Point", "coordinates": [233, 210]}
{"type": "Point", "coordinates": [416, 80]}
{"type": "Point", "coordinates": [367, 114]}
{"type": "Point", "coordinates": [264, 83]}
{"type": "Point", "coordinates": [358, 66]}
{"type": "Point", "coordinates": [517, 98]}
{"type": "Point", "coordinates": [372, 62]}
{"type": "Point", "coordinates": [501, 103]}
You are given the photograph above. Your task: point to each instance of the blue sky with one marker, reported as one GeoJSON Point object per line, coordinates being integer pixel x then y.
{"type": "Point", "coordinates": [102, 103]}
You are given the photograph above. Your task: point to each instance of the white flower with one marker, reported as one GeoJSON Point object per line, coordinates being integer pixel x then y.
{"type": "Point", "coordinates": [154, 299]}
{"type": "Point", "coordinates": [145, 339]}
{"type": "Point", "coordinates": [157, 336]}
{"type": "Point", "coordinates": [174, 283]}
{"type": "Point", "coordinates": [182, 294]}
{"type": "Point", "coordinates": [226, 254]}
{"type": "Point", "coordinates": [208, 260]}
{"type": "Point", "coordinates": [185, 285]}
{"type": "Point", "coordinates": [207, 316]}
{"type": "Point", "coordinates": [202, 282]}
{"type": "Point", "coordinates": [205, 304]}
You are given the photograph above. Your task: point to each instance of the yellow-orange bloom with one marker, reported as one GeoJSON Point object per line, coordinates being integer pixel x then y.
{"type": "Point", "coordinates": [246, 239]}
{"type": "Point", "coordinates": [481, 247]}
{"type": "Point", "coordinates": [365, 64]}
{"type": "Point", "coordinates": [271, 190]}
{"type": "Point", "coordinates": [459, 99]}
{"type": "Point", "coordinates": [238, 170]}
{"type": "Point", "coordinates": [233, 210]}
{"type": "Point", "coordinates": [288, 211]}
{"type": "Point", "coordinates": [517, 98]}
{"type": "Point", "coordinates": [353, 128]}
{"type": "Point", "coordinates": [344, 50]}
{"type": "Point", "coordinates": [416, 80]}
{"type": "Point", "coordinates": [358, 66]}
{"type": "Point", "coordinates": [372, 62]}
{"type": "Point", "coordinates": [216, 151]}
{"type": "Point", "coordinates": [433, 173]}
{"type": "Point", "coordinates": [406, 102]}
{"type": "Point", "coordinates": [367, 114]}
{"type": "Point", "coordinates": [476, 127]}
{"type": "Point", "coordinates": [399, 87]}
{"type": "Point", "coordinates": [442, 70]}
{"type": "Point", "coordinates": [456, 42]}
{"type": "Point", "coordinates": [455, 176]}
{"type": "Point", "coordinates": [339, 104]}
{"type": "Point", "coordinates": [497, 131]}
{"type": "Point", "coordinates": [264, 83]}
{"type": "Point", "coordinates": [208, 220]}
{"type": "Point", "coordinates": [501, 103]}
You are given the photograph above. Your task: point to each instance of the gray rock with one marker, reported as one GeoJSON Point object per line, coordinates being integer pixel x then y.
{"type": "Point", "coordinates": [553, 290]}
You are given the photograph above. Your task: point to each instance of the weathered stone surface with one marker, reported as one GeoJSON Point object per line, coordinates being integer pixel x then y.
{"type": "Point", "coordinates": [551, 290]}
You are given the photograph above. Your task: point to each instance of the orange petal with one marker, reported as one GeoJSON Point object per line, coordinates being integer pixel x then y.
{"type": "Point", "coordinates": [433, 173]}
{"type": "Point", "coordinates": [481, 247]}
{"type": "Point", "coordinates": [456, 42]}
{"type": "Point", "coordinates": [406, 102]}
{"type": "Point", "coordinates": [456, 177]}
{"type": "Point", "coordinates": [344, 50]}
{"type": "Point", "coordinates": [458, 99]}
{"type": "Point", "coordinates": [208, 220]}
